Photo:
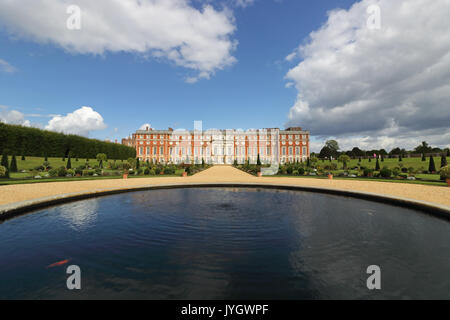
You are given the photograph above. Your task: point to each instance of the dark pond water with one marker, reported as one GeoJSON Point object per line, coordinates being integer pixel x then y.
{"type": "Point", "coordinates": [225, 244]}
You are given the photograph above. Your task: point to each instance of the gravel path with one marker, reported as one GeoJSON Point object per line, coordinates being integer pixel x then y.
{"type": "Point", "coordinates": [222, 174]}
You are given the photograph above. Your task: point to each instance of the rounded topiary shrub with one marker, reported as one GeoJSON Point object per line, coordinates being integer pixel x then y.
{"type": "Point", "coordinates": [386, 173]}
{"type": "Point", "coordinates": [53, 172]}
{"type": "Point", "coordinates": [62, 172]}
{"type": "Point", "coordinates": [445, 172]}
{"type": "Point", "coordinates": [2, 171]}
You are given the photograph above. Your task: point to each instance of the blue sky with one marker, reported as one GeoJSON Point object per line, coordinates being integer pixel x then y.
{"type": "Point", "coordinates": [42, 76]}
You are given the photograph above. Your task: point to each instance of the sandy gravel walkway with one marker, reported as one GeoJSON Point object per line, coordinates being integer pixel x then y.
{"type": "Point", "coordinates": [223, 174]}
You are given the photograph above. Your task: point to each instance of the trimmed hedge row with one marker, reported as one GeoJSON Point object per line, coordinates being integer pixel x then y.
{"type": "Point", "coordinates": [40, 143]}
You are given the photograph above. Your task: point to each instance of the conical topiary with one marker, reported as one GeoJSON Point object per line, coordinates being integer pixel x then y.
{"type": "Point", "coordinates": [377, 165]}
{"type": "Point", "coordinates": [13, 167]}
{"type": "Point", "coordinates": [432, 167]}
{"type": "Point", "coordinates": [69, 163]}
{"type": "Point", "coordinates": [443, 161]}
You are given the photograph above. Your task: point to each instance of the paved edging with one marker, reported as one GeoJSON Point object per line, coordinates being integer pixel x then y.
{"type": "Point", "coordinates": [14, 209]}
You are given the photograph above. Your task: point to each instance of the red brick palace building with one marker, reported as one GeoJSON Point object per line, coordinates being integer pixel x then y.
{"type": "Point", "coordinates": [220, 146]}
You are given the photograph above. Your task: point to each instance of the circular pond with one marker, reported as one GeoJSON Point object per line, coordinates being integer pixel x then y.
{"type": "Point", "coordinates": [225, 243]}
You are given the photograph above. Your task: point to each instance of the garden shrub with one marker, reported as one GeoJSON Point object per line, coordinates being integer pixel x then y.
{"type": "Point", "coordinates": [53, 172]}
{"type": "Point", "coordinates": [445, 172]}
{"type": "Point", "coordinates": [2, 171]}
{"type": "Point", "coordinates": [62, 172]}
{"type": "Point", "coordinates": [386, 173]}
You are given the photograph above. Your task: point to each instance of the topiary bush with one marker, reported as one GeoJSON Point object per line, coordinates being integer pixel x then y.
{"type": "Point", "coordinates": [62, 172]}
{"type": "Point", "coordinates": [386, 173]}
{"type": "Point", "coordinates": [368, 172]}
{"type": "Point", "coordinates": [2, 171]}
{"type": "Point", "coordinates": [445, 172]}
{"type": "Point", "coordinates": [53, 173]}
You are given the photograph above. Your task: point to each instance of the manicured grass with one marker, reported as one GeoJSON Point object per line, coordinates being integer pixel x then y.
{"type": "Point", "coordinates": [32, 162]}
{"type": "Point", "coordinates": [415, 163]}
{"type": "Point", "coordinates": [432, 183]}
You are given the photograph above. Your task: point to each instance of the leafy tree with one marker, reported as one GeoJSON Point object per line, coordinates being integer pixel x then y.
{"type": "Point", "coordinates": [333, 145]}
{"type": "Point", "coordinates": [357, 152]}
{"type": "Point", "coordinates": [443, 161]}
{"type": "Point", "coordinates": [423, 157]}
{"type": "Point", "coordinates": [382, 157]}
{"type": "Point", "coordinates": [400, 158]}
{"type": "Point", "coordinates": [38, 143]}
{"type": "Point", "coordinates": [432, 167]}
{"type": "Point", "coordinates": [423, 148]}
{"type": "Point", "coordinates": [101, 157]}
{"type": "Point", "coordinates": [344, 159]}
{"type": "Point", "coordinates": [13, 167]}
{"type": "Point", "coordinates": [325, 153]}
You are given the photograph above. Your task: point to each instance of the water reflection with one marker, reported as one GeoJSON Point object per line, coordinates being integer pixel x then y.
{"type": "Point", "coordinates": [226, 243]}
{"type": "Point", "coordinates": [79, 215]}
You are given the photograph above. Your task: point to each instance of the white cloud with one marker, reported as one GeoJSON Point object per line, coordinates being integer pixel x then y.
{"type": "Point", "coordinates": [80, 122]}
{"type": "Point", "coordinates": [145, 126]}
{"type": "Point", "coordinates": [291, 56]}
{"type": "Point", "coordinates": [244, 3]}
{"type": "Point", "coordinates": [377, 88]}
{"type": "Point", "coordinates": [6, 67]}
{"type": "Point", "coordinates": [13, 117]}
{"type": "Point", "coordinates": [199, 40]}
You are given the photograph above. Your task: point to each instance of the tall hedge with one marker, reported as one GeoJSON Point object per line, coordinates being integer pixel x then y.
{"type": "Point", "coordinates": [39, 143]}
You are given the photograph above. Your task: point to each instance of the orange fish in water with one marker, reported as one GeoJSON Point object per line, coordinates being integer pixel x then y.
{"type": "Point", "coordinates": [59, 263]}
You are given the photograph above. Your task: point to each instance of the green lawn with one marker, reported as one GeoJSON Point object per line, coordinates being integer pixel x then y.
{"type": "Point", "coordinates": [415, 163]}
{"type": "Point", "coordinates": [30, 163]}
{"type": "Point", "coordinates": [432, 183]}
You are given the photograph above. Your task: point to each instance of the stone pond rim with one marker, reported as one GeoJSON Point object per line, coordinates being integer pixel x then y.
{"type": "Point", "coordinates": [12, 210]}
